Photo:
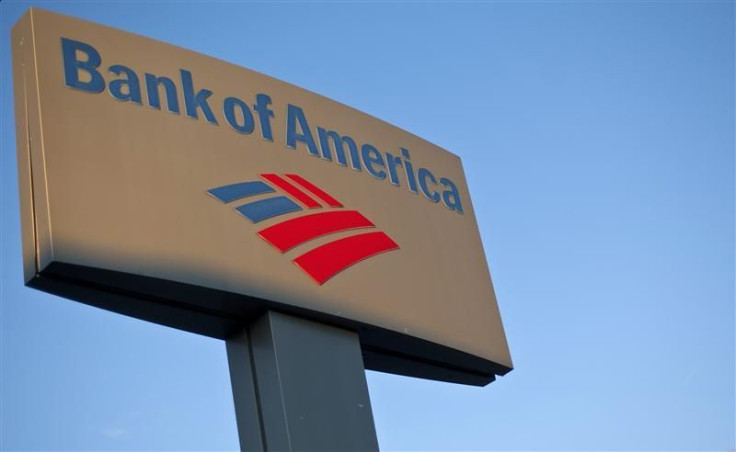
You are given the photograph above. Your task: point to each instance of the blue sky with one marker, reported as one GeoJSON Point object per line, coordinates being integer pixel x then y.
{"type": "Point", "coordinates": [598, 143]}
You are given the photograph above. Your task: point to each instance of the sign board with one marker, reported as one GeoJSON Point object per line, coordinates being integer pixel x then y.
{"type": "Point", "coordinates": [174, 187]}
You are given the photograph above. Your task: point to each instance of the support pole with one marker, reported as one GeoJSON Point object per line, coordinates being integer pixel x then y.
{"type": "Point", "coordinates": [299, 385]}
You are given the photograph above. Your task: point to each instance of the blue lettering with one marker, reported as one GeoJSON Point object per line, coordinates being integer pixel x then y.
{"type": "Point", "coordinates": [409, 171]}
{"type": "Point", "coordinates": [229, 107]}
{"type": "Point", "coordinates": [451, 198]}
{"type": "Point", "coordinates": [339, 142]}
{"type": "Point", "coordinates": [425, 174]}
{"type": "Point", "coordinates": [393, 162]}
{"type": "Point", "coordinates": [81, 64]}
{"type": "Point", "coordinates": [172, 101]}
{"type": "Point", "coordinates": [371, 157]}
{"type": "Point", "coordinates": [72, 66]}
{"type": "Point", "coordinates": [264, 115]}
{"type": "Point", "coordinates": [295, 115]}
{"type": "Point", "coordinates": [130, 82]}
{"type": "Point", "coordinates": [194, 101]}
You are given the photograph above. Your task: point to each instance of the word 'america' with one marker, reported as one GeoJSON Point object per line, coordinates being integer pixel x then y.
{"type": "Point", "coordinates": [82, 71]}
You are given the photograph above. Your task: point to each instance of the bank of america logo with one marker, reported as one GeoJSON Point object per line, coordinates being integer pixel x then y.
{"type": "Point", "coordinates": [291, 194]}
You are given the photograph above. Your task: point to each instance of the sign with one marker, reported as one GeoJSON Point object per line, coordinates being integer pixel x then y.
{"type": "Point", "coordinates": [180, 189]}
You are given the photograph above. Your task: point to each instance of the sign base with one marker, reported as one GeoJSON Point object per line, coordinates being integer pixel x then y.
{"type": "Point", "coordinates": [299, 385]}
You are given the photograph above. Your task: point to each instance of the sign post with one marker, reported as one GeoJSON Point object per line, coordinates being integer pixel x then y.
{"type": "Point", "coordinates": [299, 385]}
{"type": "Point", "coordinates": [316, 240]}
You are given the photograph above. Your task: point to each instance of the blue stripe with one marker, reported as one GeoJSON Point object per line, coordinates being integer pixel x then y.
{"type": "Point", "coordinates": [266, 208]}
{"type": "Point", "coordinates": [228, 193]}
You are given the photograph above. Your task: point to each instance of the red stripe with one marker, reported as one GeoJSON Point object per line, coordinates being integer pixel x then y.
{"type": "Point", "coordinates": [292, 190]}
{"type": "Point", "coordinates": [315, 190]}
{"type": "Point", "coordinates": [322, 263]}
{"type": "Point", "coordinates": [288, 234]}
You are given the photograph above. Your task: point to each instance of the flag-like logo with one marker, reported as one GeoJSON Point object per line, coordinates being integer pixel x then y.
{"type": "Point", "coordinates": [291, 194]}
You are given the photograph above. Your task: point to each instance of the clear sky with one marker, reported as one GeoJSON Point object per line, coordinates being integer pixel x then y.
{"type": "Point", "coordinates": [598, 142]}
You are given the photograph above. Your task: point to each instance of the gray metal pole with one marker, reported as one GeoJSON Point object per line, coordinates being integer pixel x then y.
{"type": "Point", "coordinates": [299, 385]}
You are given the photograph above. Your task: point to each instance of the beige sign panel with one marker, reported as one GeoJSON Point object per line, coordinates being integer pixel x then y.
{"type": "Point", "coordinates": [175, 187]}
